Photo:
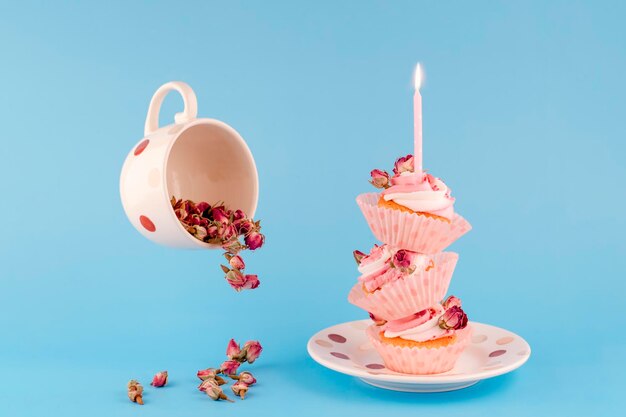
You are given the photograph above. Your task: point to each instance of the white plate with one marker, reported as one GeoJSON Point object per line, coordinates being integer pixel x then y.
{"type": "Point", "coordinates": [345, 348]}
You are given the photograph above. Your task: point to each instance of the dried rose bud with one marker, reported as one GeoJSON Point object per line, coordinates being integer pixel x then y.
{"type": "Point", "coordinates": [202, 207]}
{"type": "Point", "coordinates": [200, 232]}
{"type": "Point", "coordinates": [236, 262]}
{"type": "Point", "coordinates": [233, 350]}
{"type": "Point", "coordinates": [212, 231]}
{"type": "Point", "coordinates": [230, 367]}
{"type": "Point", "coordinates": [220, 215]}
{"type": "Point", "coordinates": [254, 240]}
{"type": "Point", "coordinates": [240, 389]}
{"type": "Point", "coordinates": [227, 232]}
{"type": "Point", "coordinates": [358, 256]}
{"type": "Point", "coordinates": [238, 215]}
{"type": "Point", "coordinates": [450, 302]}
{"type": "Point", "coordinates": [380, 179]}
{"type": "Point", "coordinates": [252, 282]}
{"type": "Point", "coordinates": [207, 373]}
{"type": "Point", "coordinates": [403, 259]}
{"type": "Point", "coordinates": [135, 392]}
{"type": "Point", "coordinates": [214, 391]}
{"type": "Point", "coordinates": [233, 246]}
{"type": "Point", "coordinates": [236, 279]}
{"type": "Point", "coordinates": [377, 320]}
{"type": "Point", "coordinates": [160, 379]}
{"type": "Point", "coordinates": [403, 164]}
{"type": "Point", "coordinates": [245, 377]}
{"type": "Point", "coordinates": [244, 227]}
{"type": "Point", "coordinates": [453, 319]}
{"type": "Point", "coordinates": [253, 350]}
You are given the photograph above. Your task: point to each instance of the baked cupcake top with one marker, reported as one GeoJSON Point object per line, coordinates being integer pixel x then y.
{"type": "Point", "coordinates": [435, 322]}
{"type": "Point", "coordinates": [419, 192]}
{"type": "Point", "coordinates": [385, 264]}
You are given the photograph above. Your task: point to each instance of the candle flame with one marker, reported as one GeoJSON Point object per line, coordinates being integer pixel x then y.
{"type": "Point", "coordinates": [417, 78]}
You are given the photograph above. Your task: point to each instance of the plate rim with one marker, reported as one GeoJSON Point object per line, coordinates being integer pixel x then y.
{"type": "Point", "coordinates": [419, 379]}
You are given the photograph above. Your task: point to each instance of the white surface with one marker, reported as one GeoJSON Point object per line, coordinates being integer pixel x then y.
{"type": "Point", "coordinates": [474, 364]}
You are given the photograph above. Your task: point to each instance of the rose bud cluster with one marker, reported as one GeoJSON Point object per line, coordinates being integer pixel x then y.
{"type": "Point", "coordinates": [217, 225]}
{"type": "Point", "coordinates": [135, 391]}
{"type": "Point", "coordinates": [235, 276]}
{"type": "Point", "coordinates": [382, 179]}
{"type": "Point", "coordinates": [159, 379]}
{"type": "Point", "coordinates": [237, 355]}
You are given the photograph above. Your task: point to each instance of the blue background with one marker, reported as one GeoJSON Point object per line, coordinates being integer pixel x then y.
{"type": "Point", "coordinates": [524, 118]}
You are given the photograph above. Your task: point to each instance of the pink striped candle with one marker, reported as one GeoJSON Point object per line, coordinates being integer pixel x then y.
{"type": "Point", "coordinates": [417, 122]}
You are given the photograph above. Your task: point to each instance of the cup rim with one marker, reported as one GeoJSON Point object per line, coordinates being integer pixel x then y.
{"type": "Point", "coordinates": [174, 139]}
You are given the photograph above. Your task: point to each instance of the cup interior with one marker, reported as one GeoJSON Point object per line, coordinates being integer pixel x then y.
{"type": "Point", "coordinates": [209, 161]}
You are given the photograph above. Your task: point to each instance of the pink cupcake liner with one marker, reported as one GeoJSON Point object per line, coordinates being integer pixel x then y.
{"type": "Point", "coordinates": [410, 294]}
{"type": "Point", "coordinates": [420, 360]}
{"type": "Point", "coordinates": [409, 230]}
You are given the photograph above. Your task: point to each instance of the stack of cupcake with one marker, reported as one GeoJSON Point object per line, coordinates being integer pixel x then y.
{"type": "Point", "coordinates": [404, 281]}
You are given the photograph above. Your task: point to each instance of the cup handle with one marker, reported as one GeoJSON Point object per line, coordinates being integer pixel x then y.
{"type": "Point", "coordinates": [189, 112]}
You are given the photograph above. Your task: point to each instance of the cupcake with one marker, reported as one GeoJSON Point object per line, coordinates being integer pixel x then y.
{"type": "Point", "coordinates": [414, 210]}
{"type": "Point", "coordinates": [395, 283]}
{"type": "Point", "coordinates": [427, 342]}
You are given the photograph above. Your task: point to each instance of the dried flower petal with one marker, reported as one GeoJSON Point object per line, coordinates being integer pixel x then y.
{"type": "Point", "coordinates": [233, 350]}
{"type": "Point", "coordinates": [160, 379]}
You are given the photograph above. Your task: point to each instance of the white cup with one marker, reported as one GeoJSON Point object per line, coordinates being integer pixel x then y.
{"type": "Point", "coordinates": [193, 159]}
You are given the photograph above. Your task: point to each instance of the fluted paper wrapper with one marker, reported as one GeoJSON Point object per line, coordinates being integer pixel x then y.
{"type": "Point", "coordinates": [409, 230]}
{"type": "Point", "coordinates": [410, 294]}
{"type": "Point", "coordinates": [420, 360]}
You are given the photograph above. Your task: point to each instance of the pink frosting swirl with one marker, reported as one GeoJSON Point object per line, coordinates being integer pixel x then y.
{"type": "Point", "coordinates": [421, 193]}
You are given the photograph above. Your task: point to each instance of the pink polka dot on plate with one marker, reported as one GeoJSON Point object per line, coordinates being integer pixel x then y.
{"type": "Point", "coordinates": [504, 340]}
{"type": "Point", "coordinates": [479, 338]}
{"type": "Point", "coordinates": [147, 223]}
{"type": "Point", "coordinates": [497, 353]}
{"type": "Point", "coordinates": [141, 147]}
{"type": "Point", "coordinates": [323, 343]}
{"type": "Point", "coordinates": [340, 355]}
{"type": "Point", "coordinates": [337, 338]}
{"type": "Point", "coordinates": [375, 366]}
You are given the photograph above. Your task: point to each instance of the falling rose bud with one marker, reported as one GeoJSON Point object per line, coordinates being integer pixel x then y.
{"type": "Point", "coordinates": [237, 263]}
{"type": "Point", "coordinates": [254, 240]}
{"type": "Point", "coordinates": [253, 350]}
{"type": "Point", "coordinates": [380, 179]}
{"type": "Point", "coordinates": [160, 379]}
{"type": "Point", "coordinates": [236, 279]}
{"type": "Point", "coordinates": [219, 215]}
{"type": "Point", "coordinates": [377, 320]}
{"type": "Point", "coordinates": [135, 392]}
{"type": "Point", "coordinates": [453, 319]}
{"type": "Point", "coordinates": [402, 259]}
{"type": "Point", "coordinates": [240, 389]}
{"type": "Point", "coordinates": [358, 256]}
{"type": "Point", "coordinates": [233, 350]}
{"type": "Point", "coordinates": [403, 164]}
{"type": "Point", "coordinates": [450, 302]}
{"type": "Point", "coordinates": [245, 377]}
{"type": "Point", "coordinates": [251, 282]}
{"type": "Point", "coordinates": [207, 373]}
{"type": "Point", "coordinates": [230, 367]}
